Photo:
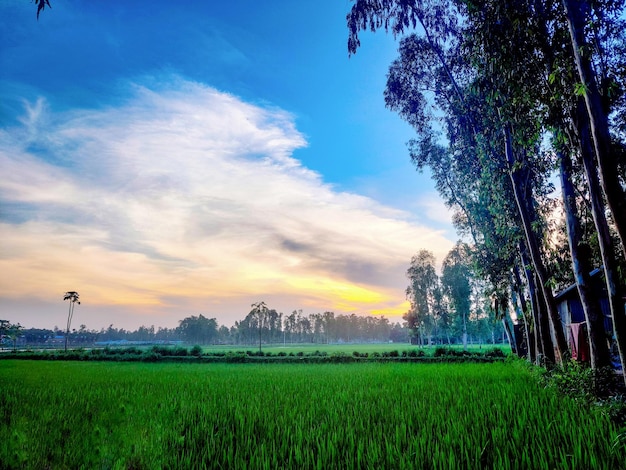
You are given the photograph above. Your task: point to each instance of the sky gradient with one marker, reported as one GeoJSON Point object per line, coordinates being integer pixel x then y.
{"type": "Point", "coordinates": [182, 160]}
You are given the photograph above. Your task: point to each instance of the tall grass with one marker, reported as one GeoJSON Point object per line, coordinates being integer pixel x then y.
{"type": "Point", "coordinates": [119, 415]}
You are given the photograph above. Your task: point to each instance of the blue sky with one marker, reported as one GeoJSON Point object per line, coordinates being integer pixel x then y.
{"type": "Point", "coordinates": [169, 160]}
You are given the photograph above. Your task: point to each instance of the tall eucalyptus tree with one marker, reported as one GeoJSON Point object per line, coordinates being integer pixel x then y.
{"type": "Point", "coordinates": [498, 73]}
{"type": "Point", "coordinates": [456, 277]}
{"type": "Point", "coordinates": [423, 280]}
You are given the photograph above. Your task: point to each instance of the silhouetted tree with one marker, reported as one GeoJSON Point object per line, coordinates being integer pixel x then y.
{"type": "Point", "coordinates": [73, 298]}
{"type": "Point", "coordinates": [422, 281]}
{"type": "Point", "coordinates": [260, 313]}
{"type": "Point", "coordinates": [198, 329]}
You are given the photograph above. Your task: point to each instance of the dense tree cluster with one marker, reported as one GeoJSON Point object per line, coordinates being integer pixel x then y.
{"type": "Point", "coordinates": [10, 332]}
{"type": "Point", "coordinates": [451, 308]}
{"type": "Point", "coordinates": [503, 94]}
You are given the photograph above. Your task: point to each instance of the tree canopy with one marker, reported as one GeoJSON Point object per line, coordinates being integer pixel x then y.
{"type": "Point", "coordinates": [498, 91]}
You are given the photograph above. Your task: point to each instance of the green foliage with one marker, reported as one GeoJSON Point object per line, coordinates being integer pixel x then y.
{"type": "Point", "coordinates": [198, 354]}
{"type": "Point", "coordinates": [198, 329]}
{"type": "Point", "coordinates": [600, 388]}
{"type": "Point", "coordinates": [359, 415]}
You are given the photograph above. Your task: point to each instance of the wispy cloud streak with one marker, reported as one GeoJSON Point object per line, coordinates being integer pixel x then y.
{"type": "Point", "coordinates": [184, 195]}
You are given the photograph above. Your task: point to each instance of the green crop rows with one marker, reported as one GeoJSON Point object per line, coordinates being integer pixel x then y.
{"type": "Point", "coordinates": [438, 416]}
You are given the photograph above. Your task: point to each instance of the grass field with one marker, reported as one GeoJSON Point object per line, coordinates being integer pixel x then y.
{"type": "Point", "coordinates": [347, 348]}
{"type": "Point", "coordinates": [438, 416]}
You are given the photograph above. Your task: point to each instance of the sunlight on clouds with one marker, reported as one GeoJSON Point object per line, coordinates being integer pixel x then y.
{"type": "Point", "coordinates": [395, 310]}
{"type": "Point", "coordinates": [189, 196]}
{"type": "Point", "coordinates": [337, 291]}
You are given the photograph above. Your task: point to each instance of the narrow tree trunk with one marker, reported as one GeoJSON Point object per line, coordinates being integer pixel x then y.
{"type": "Point", "coordinates": [533, 248]}
{"type": "Point", "coordinates": [509, 334]}
{"type": "Point", "coordinates": [464, 333]}
{"type": "Point", "coordinates": [614, 289]}
{"type": "Point", "coordinates": [545, 327]}
{"type": "Point", "coordinates": [543, 342]}
{"type": "Point", "coordinates": [530, 328]}
{"type": "Point", "coordinates": [600, 355]}
{"type": "Point", "coordinates": [607, 167]}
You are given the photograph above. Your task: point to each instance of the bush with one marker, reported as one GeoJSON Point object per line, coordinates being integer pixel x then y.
{"type": "Point", "coordinates": [179, 351]}
{"type": "Point", "coordinates": [441, 351]}
{"type": "Point", "coordinates": [495, 352]}
{"type": "Point", "coordinates": [416, 353]}
{"type": "Point", "coordinates": [196, 351]}
{"type": "Point", "coordinates": [150, 356]}
{"type": "Point", "coordinates": [236, 356]}
{"type": "Point", "coordinates": [162, 350]}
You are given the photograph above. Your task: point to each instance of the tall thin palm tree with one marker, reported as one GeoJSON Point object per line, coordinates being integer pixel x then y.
{"type": "Point", "coordinates": [73, 298]}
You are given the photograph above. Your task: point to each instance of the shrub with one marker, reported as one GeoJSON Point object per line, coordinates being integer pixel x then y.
{"type": "Point", "coordinates": [236, 356]}
{"type": "Point", "coordinates": [179, 351]}
{"type": "Point", "coordinates": [494, 352]}
{"type": "Point", "coordinates": [150, 356]}
{"type": "Point", "coordinates": [441, 351]}
{"type": "Point", "coordinates": [196, 351]}
{"type": "Point", "coordinates": [162, 350]}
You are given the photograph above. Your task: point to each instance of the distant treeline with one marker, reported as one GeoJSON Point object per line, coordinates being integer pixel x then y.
{"type": "Point", "coordinates": [317, 328]}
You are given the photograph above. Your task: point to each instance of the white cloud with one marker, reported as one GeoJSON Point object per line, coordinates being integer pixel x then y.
{"type": "Point", "coordinates": [435, 209]}
{"type": "Point", "coordinates": [189, 196]}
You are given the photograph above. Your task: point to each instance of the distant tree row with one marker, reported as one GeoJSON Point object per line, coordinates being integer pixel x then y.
{"type": "Point", "coordinates": [276, 328]}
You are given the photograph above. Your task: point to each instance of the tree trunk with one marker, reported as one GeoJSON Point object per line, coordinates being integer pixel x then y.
{"type": "Point", "coordinates": [607, 250]}
{"type": "Point", "coordinates": [600, 355]}
{"type": "Point", "coordinates": [543, 340]}
{"type": "Point", "coordinates": [509, 334]}
{"type": "Point", "coordinates": [598, 120]}
{"type": "Point", "coordinates": [533, 248]}
{"type": "Point", "coordinates": [530, 326]}
{"type": "Point", "coordinates": [545, 327]}
{"type": "Point", "coordinates": [518, 297]}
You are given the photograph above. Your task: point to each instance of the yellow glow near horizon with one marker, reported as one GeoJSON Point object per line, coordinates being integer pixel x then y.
{"type": "Point", "coordinates": [394, 311]}
{"type": "Point", "coordinates": [338, 292]}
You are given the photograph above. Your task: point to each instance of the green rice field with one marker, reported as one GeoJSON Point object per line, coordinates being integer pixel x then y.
{"type": "Point", "coordinates": [348, 348]}
{"type": "Point", "coordinates": [94, 415]}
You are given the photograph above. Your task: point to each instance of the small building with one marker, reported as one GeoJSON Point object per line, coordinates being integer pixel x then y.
{"type": "Point", "coordinates": [573, 319]}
